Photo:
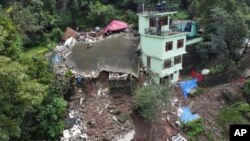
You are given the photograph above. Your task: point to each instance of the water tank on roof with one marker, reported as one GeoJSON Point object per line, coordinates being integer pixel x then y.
{"type": "Point", "coordinates": [158, 7]}
{"type": "Point", "coordinates": [164, 6]}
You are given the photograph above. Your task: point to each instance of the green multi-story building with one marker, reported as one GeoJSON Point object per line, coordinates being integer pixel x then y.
{"type": "Point", "coordinates": [163, 44]}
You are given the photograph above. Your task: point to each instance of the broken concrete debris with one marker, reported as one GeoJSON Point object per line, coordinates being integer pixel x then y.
{"type": "Point", "coordinates": [103, 92]}
{"type": "Point", "coordinates": [117, 76]}
{"type": "Point", "coordinates": [88, 114]}
{"type": "Point", "coordinates": [73, 134]}
{"type": "Point", "coordinates": [178, 137]}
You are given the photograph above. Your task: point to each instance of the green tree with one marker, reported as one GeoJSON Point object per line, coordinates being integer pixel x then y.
{"type": "Point", "coordinates": [101, 14]}
{"type": "Point", "coordinates": [50, 118]}
{"type": "Point", "coordinates": [150, 99]}
{"type": "Point", "coordinates": [10, 41]}
{"type": "Point", "coordinates": [46, 121]}
{"type": "Point", "coordinates": [231, 28]}
{"type": "Point", "coordinates": [225, 24]}
{"type": "Point", "coordinates": [19, 95]}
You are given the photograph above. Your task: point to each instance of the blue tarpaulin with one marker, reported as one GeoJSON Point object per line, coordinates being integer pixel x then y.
{"type": "Point", "coordinates": [56, 59]}
{"type": "Point", "coordinates": [187, 116]}
{"type": "Point", "coordinates": [187, 86]}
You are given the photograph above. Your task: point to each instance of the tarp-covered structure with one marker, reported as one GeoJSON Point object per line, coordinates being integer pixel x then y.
{"type": "Point", "coordinates": [116, 25]}
{"type": "Point", "coordinates": [187, 86]}
{"type": "Point", "coordinates": [69, 33]}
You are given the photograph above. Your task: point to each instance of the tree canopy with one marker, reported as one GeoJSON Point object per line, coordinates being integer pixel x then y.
{"type": "Point", "coordinates": [226, 25]}
{"type": "Point", "coordinates": [10, 40]}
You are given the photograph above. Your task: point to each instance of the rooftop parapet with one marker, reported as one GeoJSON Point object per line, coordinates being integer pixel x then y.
{"type": "Point", "coordinates": [160, 8]}
{"type": "Point", "coordinates": [155, 32]}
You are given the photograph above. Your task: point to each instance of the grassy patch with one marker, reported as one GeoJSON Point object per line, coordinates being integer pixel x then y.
{"type": "Point", "coordinates": [36, 51]}
{"type": "Point", "coordinates": [238, 113]}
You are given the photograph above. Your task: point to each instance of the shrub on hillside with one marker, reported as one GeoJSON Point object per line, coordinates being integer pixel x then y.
{"type": "Point", "coordinates": [150, 99]}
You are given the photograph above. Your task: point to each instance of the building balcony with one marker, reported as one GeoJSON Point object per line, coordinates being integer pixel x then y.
{"type": "Point", "coordinates": [153, 31]}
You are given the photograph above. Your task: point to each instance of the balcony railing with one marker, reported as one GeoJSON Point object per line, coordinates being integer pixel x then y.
{"type": "Point", "coordinates": [155, 10]}
{"type": "Point", "coordinates": [155, 32]}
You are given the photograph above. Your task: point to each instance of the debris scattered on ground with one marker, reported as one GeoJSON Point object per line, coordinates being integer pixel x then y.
{"type": "Point", "coordinates": [178, 137]}
{"type": "Point", "coordinates": [96, 113]}
{"type": "Point", "coordinates": [246, 73]}
{"type": "Point", "coordinates": [205, 71]}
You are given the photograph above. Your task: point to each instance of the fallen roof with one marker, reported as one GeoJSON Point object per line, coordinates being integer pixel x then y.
{"type": "Point", "coordinates": [116, 25]}
{"type": "Point", "coordinates": [69, 33]}
{"type": "Point", "coordinates": [116, 54]}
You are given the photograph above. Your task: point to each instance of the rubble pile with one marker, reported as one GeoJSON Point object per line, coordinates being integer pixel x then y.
{"type": "Point", "coordinates": [98, 114]}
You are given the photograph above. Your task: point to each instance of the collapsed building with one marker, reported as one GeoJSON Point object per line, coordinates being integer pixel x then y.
{"type": "Point", "coordinates": [116, 55]}
{"type": "Point", "coordinates": [88, 55]}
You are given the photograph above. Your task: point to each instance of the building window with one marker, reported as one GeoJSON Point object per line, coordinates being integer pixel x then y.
{"type": "Point", "coordinates": [169, 46]}
{"type": "Point", "coordinates": [177, 60]}
{"type": "Point", "coordinates": [152, 22]}
{"type": "Point", "coordinates": [148, 62]}
{"type": "Point", "coordinates": [180, 43]}
{"type": "Point", "coordinates": [171, 76]}
{"type": "Point", "coordinates": [164, 20]}
{"type": "Point", "coordinates": [164, 80]}
{"type": "Point", "coordinates": [167, 64]}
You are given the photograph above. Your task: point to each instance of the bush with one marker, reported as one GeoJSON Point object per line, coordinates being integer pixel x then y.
{"type": "Point", "coordinates": [50, 118]}
{"type": "Point", "coordinates": [131, 18]}
{"type": "Point", "coordinates": [234, 114]}
{"type": "Point", "coordinates": [246, 91]}
{"type": "Point", "coordinates": [194, 128]}
{"type": "Point", "coordinates": [198, 91]}
{"type": "Point", "coordinates": [151, 98]}
{"type": "Point", "coordinates": [68, 73]}
{"type": "Point", "coordinates": [216, 69]}
{"type": "Point", "coordinates": [56, 35]}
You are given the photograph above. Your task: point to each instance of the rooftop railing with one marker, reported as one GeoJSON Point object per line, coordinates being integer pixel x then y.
{"type": "Point", "coordinates": [155, 10]}
{"type": "Point", "coordinates": [155, 32]}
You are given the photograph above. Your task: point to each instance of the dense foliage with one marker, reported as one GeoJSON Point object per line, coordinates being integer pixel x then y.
{"type": "Point", "coordinates": [237, 113]}
{"type": "Point", "coordinates": [150, 99]}
{"type": "Point", "coordinates": [30, 101]}
{"type": "Point", "coordinates": [10, 40]}
{"type": "Point", "coordinates": [194, 128]}
{"type": "Point", "coordinates": [225, 24]}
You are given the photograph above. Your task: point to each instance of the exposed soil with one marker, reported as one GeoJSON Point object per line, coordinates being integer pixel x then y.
{"type": "Point", "coordinates": [160, 130]}
{"type": "Point", "coordinates": [209, 104]}
{"type": "Point", "coordinates": [104, 114]}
